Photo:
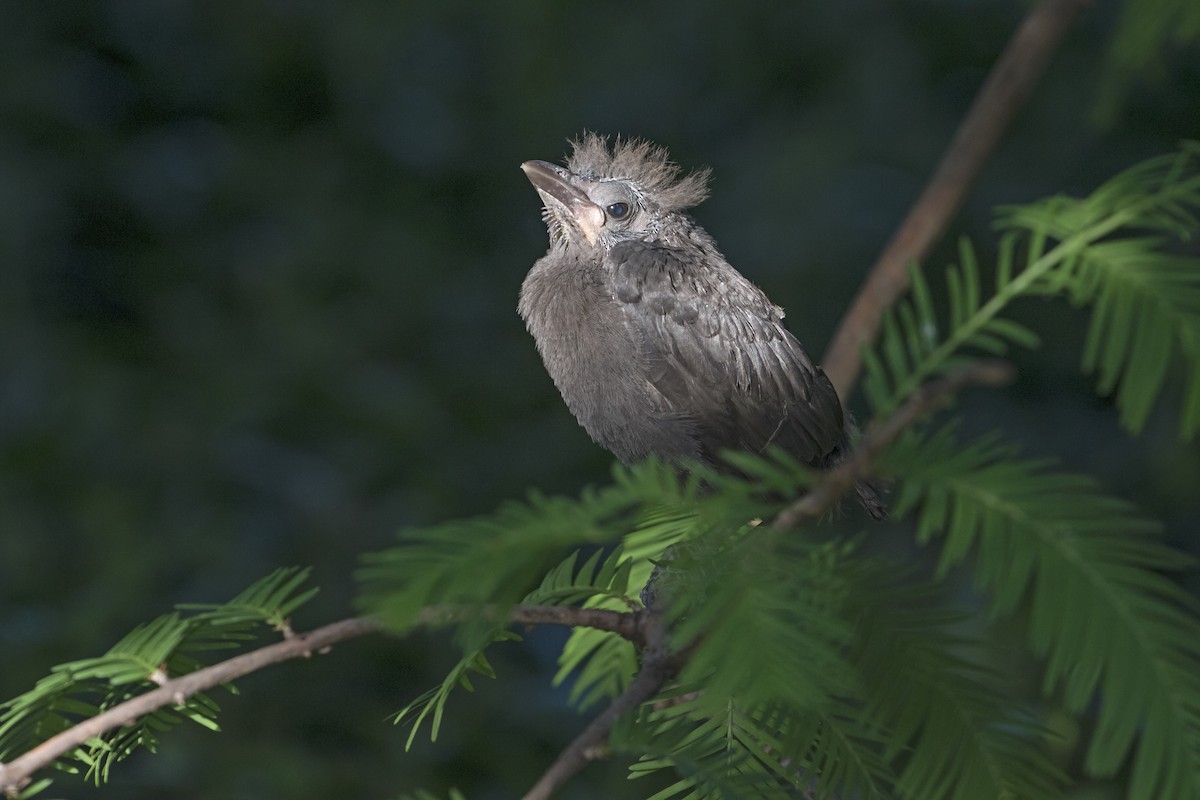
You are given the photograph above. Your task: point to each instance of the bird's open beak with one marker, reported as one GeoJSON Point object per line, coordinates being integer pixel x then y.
{"type": "Point", "coordinates": [554, 185]}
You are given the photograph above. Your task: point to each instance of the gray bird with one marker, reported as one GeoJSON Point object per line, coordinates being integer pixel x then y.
{"type": "Point", "coordinates": [658, 345]}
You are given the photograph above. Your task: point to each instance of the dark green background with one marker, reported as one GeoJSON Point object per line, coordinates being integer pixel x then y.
{"type": "Point", "coordinates": [259, 269]}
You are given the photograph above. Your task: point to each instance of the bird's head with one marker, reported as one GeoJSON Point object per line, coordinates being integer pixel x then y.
{"type": "Point", "coordinates": [607, 194]}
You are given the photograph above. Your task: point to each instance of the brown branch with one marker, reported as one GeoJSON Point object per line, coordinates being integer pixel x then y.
{"type": "Point", "coordinates": [1005, 90]}
{"type": "Point", "coordinates": [658, 664]}
{"type": "Point", "coordinates": [627, 625]}
{"type": "Point", "coordinates": [838, 481]}
{"type": "Point", "coordinates": [589, 744]}
{"type": "Point", "coordinates": [15, 774]}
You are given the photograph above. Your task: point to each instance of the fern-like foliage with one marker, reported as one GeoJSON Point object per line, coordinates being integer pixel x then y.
{"type": "Point", "coordinates": [166, 647]}
{"type": "Point", "coordinates": [431, 705]}
{"type": "Point", "coordinates": [1107, 249]}
{"type": "Point", "coordinates": [1087, 571]}
{"type": "Point", "coordinates": [601, 663]}
{"type": "Point", "coordinates": [756, 716]}
{"type": "Point", "coordinates": [271, 600]}
{"type": "Point", "coordinates": [599, 577]}
{"type": "Point", "coordinates": [716, 753]}
{"type": "Point", "coordinates": [491, 561]}
{"type": "Point", "coordinates": [954, 730]}
{"type": "Point", "coordinates": [882, 696]}
{"type": "Point", "coordinates": [767, 594]}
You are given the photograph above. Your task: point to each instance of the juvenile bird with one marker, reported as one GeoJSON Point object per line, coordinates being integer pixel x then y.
{"type": "Point", "coordinates": [658, 345]}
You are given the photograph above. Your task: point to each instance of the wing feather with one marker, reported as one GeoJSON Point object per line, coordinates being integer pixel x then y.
{"type": "Point", "coordinates": [715, 351]}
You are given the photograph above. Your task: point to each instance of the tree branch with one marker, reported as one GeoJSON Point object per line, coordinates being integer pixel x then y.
{"type": "Point", "coordinates": [658, 664]}
{"type": "Point", "coordinates": [627, 625]}
{"type": "Point", "coordinates": [15, 774]}
{"type": "Point", "coordinates": [1005, 90]}
{"type": "Point", "coordinates": [835, 483]}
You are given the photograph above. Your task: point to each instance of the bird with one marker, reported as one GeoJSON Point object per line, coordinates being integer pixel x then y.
{"type": "Point", "coordinates": [658, 346]}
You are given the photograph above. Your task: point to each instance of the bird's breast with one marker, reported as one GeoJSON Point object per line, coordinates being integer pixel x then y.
{"type": "Point", "coordinates": [569, 310]}
{"type": "Point", "coordinates": [590, 353]}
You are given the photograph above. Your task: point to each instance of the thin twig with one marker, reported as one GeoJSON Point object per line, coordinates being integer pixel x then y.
{"type": "Point", "coordinates": [658, 664]}
{"type": "Point", "coordinates": [838, 481]}
{"type": "Point", "coordinates": [1005, 90]}
{"type": "Point", "coordinates": [627, 625]}
{"type": "Point", "coordinates": [15, 774]}
{"type": "Point", "coordinates": [622, 623]}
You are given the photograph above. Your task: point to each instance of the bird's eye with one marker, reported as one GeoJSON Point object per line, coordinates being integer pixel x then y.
{"type": "Point", "coordinates": [618, 210]}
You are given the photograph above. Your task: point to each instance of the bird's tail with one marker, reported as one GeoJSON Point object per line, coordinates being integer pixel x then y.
{"type": "Point", "coordinates": [869, 497]}
{"type": "Point", "coordinates": [870, 493]}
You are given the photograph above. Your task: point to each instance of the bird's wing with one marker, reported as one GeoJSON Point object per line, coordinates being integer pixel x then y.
{"type": "Point", "coordinates": [715, 350]}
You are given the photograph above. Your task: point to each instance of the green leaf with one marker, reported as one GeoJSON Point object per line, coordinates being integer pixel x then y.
{"type": "Point", "coordinates": [1147, 309]}
{"type": "Point", "coordinates": [432, 703]}
{"type": "Point", "coordinates": [952, 723]}
{"type": "Point", "coordinates": [566, 584]}
{"type": "Point", "coordinates": [1108, 624]}
{"type": "Point", "coordinates": [753, 600]}
{"type": "Point", "coordinates": [720, 752]}
{"type": "Point", "coordinates": [492, 561]}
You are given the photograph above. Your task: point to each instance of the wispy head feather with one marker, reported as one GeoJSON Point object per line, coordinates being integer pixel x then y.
{"type": "Point", "coordinates": [643, 163]}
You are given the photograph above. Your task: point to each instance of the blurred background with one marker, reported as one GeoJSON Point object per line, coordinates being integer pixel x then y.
{"type": "Point", "coordinates": [258, 276]}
